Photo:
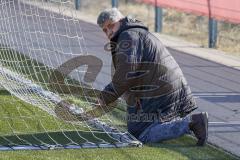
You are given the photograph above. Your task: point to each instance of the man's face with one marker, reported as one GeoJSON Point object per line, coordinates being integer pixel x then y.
{"type": "Point", "coordinates": [109, 28]}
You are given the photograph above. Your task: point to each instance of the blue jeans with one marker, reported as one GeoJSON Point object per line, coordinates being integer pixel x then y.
{"type": "Point", "coordinates": [157, 131]}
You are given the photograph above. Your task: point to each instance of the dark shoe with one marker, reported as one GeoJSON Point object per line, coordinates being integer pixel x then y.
{"type": "Point", "coordinates": [199, 126]}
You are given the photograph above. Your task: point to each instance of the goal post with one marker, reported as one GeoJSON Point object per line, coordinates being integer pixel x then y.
{"type": "Point", "coordinates": [37, 58]}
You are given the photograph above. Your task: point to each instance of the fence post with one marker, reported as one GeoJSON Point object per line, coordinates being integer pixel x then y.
{"type": "Point", "coordinates": [212, 33]}
{"type": "Point", "coordinates": [77, 4]}
{"type": "Point", "coordinates": [158, 19]}
{"type": "Point", "coordinates": [115, 3]}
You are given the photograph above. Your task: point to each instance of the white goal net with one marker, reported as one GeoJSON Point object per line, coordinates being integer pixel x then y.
{"type": "Point", "coordinates": [48, 76]}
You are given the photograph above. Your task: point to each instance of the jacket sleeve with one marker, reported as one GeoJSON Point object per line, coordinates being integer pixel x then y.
{"type": "Point", "coordinates": [126, 62]}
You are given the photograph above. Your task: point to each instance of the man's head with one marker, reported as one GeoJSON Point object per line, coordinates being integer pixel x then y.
{"type": "Point", "coordinates": [108, 20]}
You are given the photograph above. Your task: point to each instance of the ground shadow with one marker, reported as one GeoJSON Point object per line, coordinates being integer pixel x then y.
{"type": "Point", "coordinates": [4, 92]}
{"type": "Point", "coordinates": [47, 139]}
{"type": "Point", "coordinates": [219, 97]}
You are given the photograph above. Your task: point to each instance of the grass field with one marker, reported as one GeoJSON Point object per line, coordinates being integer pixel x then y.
{"type": "Point", "coordinates": [182, 148]}
{"type": "Point", "coordinates": [21, 122]}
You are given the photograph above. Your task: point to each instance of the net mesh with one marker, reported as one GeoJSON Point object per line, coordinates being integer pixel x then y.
{"type": "Point", "coordinates": [45, 65]}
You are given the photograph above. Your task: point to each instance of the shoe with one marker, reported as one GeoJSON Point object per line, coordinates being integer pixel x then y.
{"type": "Point", "coordinates": [199, 126]}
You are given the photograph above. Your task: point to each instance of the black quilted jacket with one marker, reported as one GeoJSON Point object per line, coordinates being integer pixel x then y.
{"type": "Point", "coordinates": [148, 77]}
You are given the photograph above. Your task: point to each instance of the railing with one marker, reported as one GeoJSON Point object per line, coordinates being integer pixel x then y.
{"type": "Point", "coordinates": [221, 9]}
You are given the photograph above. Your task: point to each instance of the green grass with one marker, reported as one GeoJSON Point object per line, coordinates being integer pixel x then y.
{"type": "Point", "coordinates": [182, 148]}
{"type": "Point", "coordinates": [21, 122]}
{"type": "Point", "coordinates": [165, 151]}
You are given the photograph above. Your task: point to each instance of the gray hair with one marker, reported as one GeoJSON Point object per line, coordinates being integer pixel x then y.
{"type": "Point", "coordinates": [112, 14]}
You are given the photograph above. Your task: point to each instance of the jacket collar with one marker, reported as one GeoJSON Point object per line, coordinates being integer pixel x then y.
{"type": "Point", "coordinates": [127, 23]}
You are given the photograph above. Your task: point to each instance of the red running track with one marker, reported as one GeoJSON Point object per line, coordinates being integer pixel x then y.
{"type": "Point", "coordinates": [225, 10]}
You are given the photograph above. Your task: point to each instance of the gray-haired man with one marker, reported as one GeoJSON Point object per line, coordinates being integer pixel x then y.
{"type": "Point", "coordinates": [147, 76]}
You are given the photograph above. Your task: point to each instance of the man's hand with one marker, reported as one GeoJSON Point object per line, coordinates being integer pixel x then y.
{"type": "Point", "coordinates": [101, 103]}
{"type": "Point", "coordinates": [68, 112]}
